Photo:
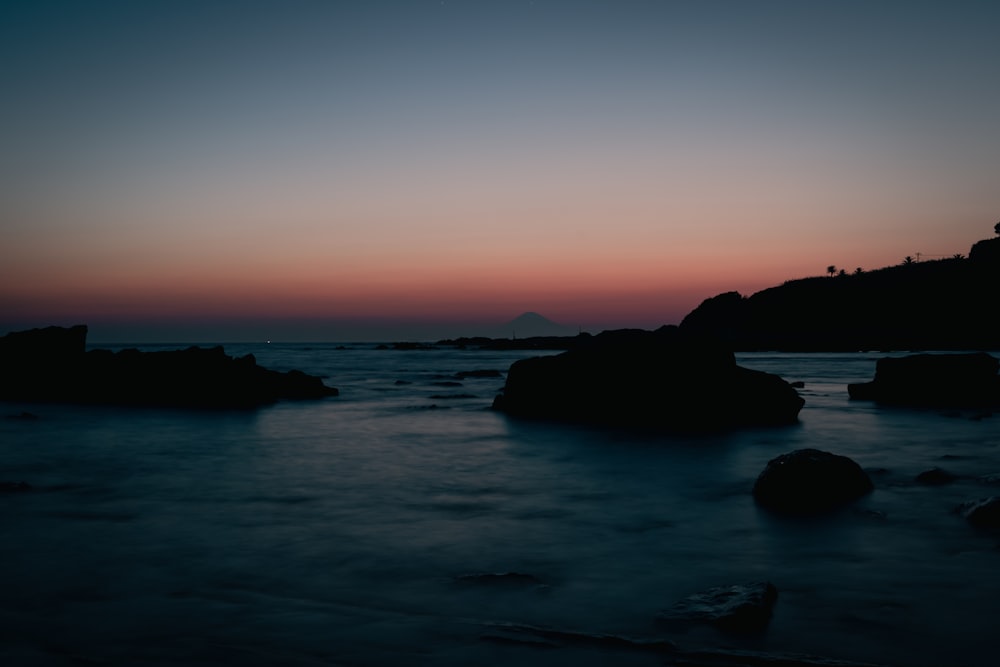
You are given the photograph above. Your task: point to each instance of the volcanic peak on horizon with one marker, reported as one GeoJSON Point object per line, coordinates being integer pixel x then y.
{"type": "Point", "coordinates": [530, 323]}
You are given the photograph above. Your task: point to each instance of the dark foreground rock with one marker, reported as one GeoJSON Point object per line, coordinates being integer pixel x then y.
{"type": "Point", "coordinates": [983, 513]}
{"type": "Point", "coordinates": [933, 380]}
{"type": "Point", "coordinates": [52, 365]}
{"type": "Point", "coordinates": [663, 378]}
{"type": "Point", "coordinates": [14, 487]}
{"type": "Point", "coordinates": [744, 608]}
{"type": "Point", "coordinates": [810, 481]}
{"type": "Point", "coordinates": [935, 477]}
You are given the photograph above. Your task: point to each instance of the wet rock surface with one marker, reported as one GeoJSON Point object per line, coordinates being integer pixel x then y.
{"type": "Point", "coordinates": [810, 481]}
{"type": "Point", "coordinates": [935, 477]}
{"type": "Point", "coordinates": [982, 513]}
{"type": "Point", "coordinates": [740, 608]}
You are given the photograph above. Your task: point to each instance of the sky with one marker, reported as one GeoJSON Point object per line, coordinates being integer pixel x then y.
{"type": "Point", "coordinates": [378, 169]}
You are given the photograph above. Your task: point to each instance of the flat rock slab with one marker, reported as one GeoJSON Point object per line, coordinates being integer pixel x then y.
{"type": "Point", "coordinates": [740, 608]}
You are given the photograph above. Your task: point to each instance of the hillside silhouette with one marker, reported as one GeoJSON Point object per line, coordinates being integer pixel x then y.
{"type": "Point", "coordinates": [945, 304]}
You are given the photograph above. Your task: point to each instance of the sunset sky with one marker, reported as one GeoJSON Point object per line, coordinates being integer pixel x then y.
{"type": "Point", "coordinates": [339, 170]}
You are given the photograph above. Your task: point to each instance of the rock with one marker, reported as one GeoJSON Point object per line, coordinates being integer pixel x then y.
{"type": "Point", "coordinates": [935, 477]}
{"type": "Point", "coordinates": [662, 379]}
{"type": "Point", "coordinates": [195, 377]}
{"type": "Point", "coordinates": [501, 579]}
{"type": "Point", "coordinates": [740, 608]}
{"type": "Point", "coordinates": [933, 380]}
{"type": "Point", "coordinates": [32, 360]}
{"type": "Point", "coordinates": [14, 487]}
{"type": "Point", "coordinates": [810, 481]}
{"type": "Point", "coordinates": [927, 305]}
{"type": "Point", "coordinates": [24, 415]}
{"type": "Point", "coordinates": [983, 513]}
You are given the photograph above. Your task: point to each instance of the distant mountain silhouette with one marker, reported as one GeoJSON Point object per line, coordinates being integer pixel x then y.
{"type": "Point", "coordinates": [531, 324]}
{"type": "Point", "coordinates": [947, 304]}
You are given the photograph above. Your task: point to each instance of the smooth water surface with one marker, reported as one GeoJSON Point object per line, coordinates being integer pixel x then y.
{"type": "Point", "coordinates": [339, 531]}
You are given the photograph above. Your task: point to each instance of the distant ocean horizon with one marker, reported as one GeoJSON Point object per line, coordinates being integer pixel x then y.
{"type": "Point", "coordinates": [344, 530]}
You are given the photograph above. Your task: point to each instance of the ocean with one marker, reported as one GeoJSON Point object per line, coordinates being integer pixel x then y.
{"type": "Point", "coordinates": [353, 530]}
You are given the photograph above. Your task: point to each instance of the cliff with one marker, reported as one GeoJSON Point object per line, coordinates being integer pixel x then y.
{"type": "Point", "coordinates": [946, 304]}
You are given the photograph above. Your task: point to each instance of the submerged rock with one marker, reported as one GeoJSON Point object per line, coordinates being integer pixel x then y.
{"type": "Point", "coordinates": [24, 416]}
{"type": "Point", "coordinates": [739, 608]}
{"type": "Point", "coordinates": [52, 365]}
{"type": "Point", "coordinates": [663, 379]}
{"type": "Point", "coordinates": [936, 477]}
{"type": "Point", "coordinates": [14, 487]}
{"type": "Point", "coordinates": [983, 513]}
{"type": "Point", "coordinates": [810, 481]}
{"type": "Point", "coordinates": [933, 380]}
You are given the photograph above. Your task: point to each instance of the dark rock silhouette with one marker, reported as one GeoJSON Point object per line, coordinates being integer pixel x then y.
{"type": "Point", "coordinates": [25, 416]}
{"type": "Point", "coordinates": [986, 251]}
{"type": "Point", "coordinates": [14, 487]}
{"type": "Point", "coordinates": [983, 513]}
{"type": "Point", "coordinates": [933, 380]}
{"type": "Point", "coordinates": [663, 379]}
{"type": "Point", "coordinates": [935, 477]}
{"type": "Point", "coordinates": [744, 608]}
{"type": "Point", "coordinates": [810, 481]}
{"type": "Point", "coordinates": [52, 365]}
{"type": "Point", "coordinates": [938, 305]}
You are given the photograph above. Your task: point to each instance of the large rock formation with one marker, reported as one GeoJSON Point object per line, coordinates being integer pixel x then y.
{"type": "Point", "coordinates": [933, 380]}
{"type": "Point", "coordinates": [942, 304]}
{"type": "Point", "coordinates": [661, 378]}
{"type": "Point", "coordinates": [52, 364]}
{"type": "Point", "coordinates": [810, 481]}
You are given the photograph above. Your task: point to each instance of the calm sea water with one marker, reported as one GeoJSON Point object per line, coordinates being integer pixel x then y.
{"type": "Point", "coordinates": [337, 532]}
